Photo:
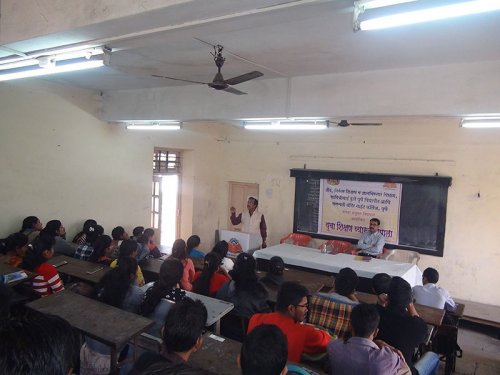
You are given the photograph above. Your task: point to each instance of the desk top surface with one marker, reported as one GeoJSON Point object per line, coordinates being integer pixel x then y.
{"type": "Point", "coordinates": [5, 269]}
{"type": "Point", "coordinates": [429, 314]}
{"type": "Point", "coordinates": [80, 269]}
{"type": "Point", "coordinates": [111, 326]}
{"type": "Point", "coordinates": [216, 308]}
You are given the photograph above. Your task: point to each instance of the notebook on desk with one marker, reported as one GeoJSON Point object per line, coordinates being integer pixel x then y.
{"type": "Point", "coordinates": [363, 258]}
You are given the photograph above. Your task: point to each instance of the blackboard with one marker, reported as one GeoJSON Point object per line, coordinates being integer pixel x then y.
{"type": "Point", "coordinates": [422, 218]}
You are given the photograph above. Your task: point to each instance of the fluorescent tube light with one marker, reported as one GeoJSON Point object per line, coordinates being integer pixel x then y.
{"type": "Point", "coordinates": [431, 14]}
{"type": "Point", "coordinates": [480, 122]}
{"type": "Point", "coordinates": [58, 67]}
{"type": "Point", "coordinates": [140, 125]}
{"type": "Point", "coordinates": [285, 124]}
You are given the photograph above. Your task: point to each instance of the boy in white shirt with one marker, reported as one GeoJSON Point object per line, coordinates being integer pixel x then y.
{"type": "Point", "coordinates": [432, 295]}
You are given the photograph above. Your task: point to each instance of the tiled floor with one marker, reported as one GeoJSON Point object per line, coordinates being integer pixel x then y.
{"type": "Point", "coordinates": [481, 351]}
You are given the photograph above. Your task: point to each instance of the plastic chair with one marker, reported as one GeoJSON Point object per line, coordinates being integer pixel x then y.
{"type": "Point", "coordinates": [297, 239]}
{"type": "Point", "coordinates": [404, 256]}
{"type": "Point", "coordinates": [337, 246]}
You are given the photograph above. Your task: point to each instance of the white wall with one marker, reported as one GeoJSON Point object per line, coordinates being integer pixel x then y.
{"type": "Point", "coordinates": [59, 161]}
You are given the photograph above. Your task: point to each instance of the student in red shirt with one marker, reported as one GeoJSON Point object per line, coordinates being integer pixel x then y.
{"type": "Point", "coordinates": [16, 246]}
{"type": "Point", "coordinates": [48, 280]}
{"type": "Point", "coordinates": [208, 281]}
{"type": "Point", "coordinates": [291, 311]}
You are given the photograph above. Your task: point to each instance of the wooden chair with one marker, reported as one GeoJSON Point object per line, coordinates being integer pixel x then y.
{"type": "Point", "coordinates": [404, 256]}
{"type": "Point", "coordinates": [337, 246]}
{"type": "Point", "coordinates": [297, 239]}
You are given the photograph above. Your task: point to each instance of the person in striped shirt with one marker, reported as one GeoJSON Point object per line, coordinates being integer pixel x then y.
{"type": "Point", "coordinates": [47, 280]}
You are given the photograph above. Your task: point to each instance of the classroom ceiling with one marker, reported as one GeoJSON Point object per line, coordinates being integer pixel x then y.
{"type": "Point", "coordinates": [279, 38]}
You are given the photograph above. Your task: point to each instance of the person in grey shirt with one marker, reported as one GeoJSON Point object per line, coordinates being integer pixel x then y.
{"type": "Point", "coordinates": [61, 246]}
{"type": "Point", "coordinates": [371, 243]}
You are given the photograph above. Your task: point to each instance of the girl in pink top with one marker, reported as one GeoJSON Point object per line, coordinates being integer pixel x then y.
{"type": "Point", "coordinates": [179, 251]}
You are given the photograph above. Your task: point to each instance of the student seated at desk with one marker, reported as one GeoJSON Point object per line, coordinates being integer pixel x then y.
{"type": "Point", "coordinates": [85, 250]}
{"type": "Point", "coordinates": [344, 287]}
{"type": "Point", "coordinates": [56, 229]}
{"type": "Point", "coordinates": [40, 344]}
{"type": "Point", "coordinates": [182, 336]}
{"type": "Point", "coordinates": [360, 354]}
{"type": "Point", "coordinates": [128, 249]}
{"type": "Point", "coordinates": [48, 280]}
{"type": "Point", "coordinates": [119, 235]}
{"type": "Point", "coordinates": [401, 327]}
{"type": "Point", "coordinates": [102, 250]}
{"type": "Point", "coordinates": [80, 237]}
{"type": "Point", "coordinates": [163, 294]}
{"type": "Point", "coordinates": [291, 311]}
{"type": "Point", "coordinates": [192, 243]}
{"type": "Point", "coordinates": [16, 246]}
{"type": "Point", "coordinates": [380, 286]}
{"type": "Point", "coordinates": [222, 248]}
{"type": "Point", "coordinates": [179, 252]}
{"type": "Point", "coordinates": [432, 295]}
{"type": "Point", "coordinates": [31, 227]}
{"type": "Point", "coordinates": [209, 281]}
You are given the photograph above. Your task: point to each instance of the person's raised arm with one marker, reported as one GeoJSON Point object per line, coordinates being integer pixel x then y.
{"type": "Point", "coordinates": [235, 220]}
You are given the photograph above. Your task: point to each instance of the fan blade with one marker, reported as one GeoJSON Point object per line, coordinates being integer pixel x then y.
{"type": "Point", "coordinates": [234, 91]}
{"type": "Point", "coordinates": [178, 79]}
{"type": "Point", "coordinates": [243, 78]}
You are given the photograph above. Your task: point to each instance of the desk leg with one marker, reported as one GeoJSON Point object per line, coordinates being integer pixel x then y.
{"type": "Point", "coordinates": [217, 327]}
{"type": "Point", "coordinates": [114, 359]}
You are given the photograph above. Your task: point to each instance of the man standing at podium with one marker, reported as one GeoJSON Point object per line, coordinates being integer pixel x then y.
{"type": "Point", "coordinates": [252, 221]}
{"type": "Point", "coordinates": [371, 242]}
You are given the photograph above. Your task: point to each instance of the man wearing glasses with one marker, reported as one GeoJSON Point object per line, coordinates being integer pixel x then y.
{"type": "Point", "coordinates": [291, 311]}
{"type": "Point", "coordinates": [371, 243]}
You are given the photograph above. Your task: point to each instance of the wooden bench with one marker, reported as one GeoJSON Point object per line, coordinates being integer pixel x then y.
{"type": "Point", "coordinates": [481, 313]}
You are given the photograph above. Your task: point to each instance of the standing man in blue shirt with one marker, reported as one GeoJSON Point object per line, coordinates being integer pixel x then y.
{"type": "Point", "coordinates": [372, 242]}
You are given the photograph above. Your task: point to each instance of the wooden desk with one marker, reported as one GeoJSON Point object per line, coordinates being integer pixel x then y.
{"type": "Point", "coordinates": [218, 355]}
{"type": "Point", "coordinates": [107, 324]}
{"type": "Point", "coordinates": [430, 315]}
{"type": "Point", "coordinates": [312, 281]}
{"type": "Point", "coordinates": [5, 269]}
{"type": "Point", "coordinates": [216, 309]}
{"type": "Point", "coordinates": [78, 268]}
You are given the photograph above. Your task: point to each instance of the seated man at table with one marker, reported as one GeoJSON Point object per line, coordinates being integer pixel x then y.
{"type": "Point", "coordinates": [39, 344]}
{"type": "Point", "coordinates": [291, 311]}
{"type": "Point", "coordinates": [401, 327]}
{"type": "Point", "coordinates": [371, 243]}
{"type": "Point", "coordinates": [344, 287]}
{"type": "Point", "coordinates": [360, 354]}
{"type": "Point", "coordinates": [264, 351]}
{"type": "Point", "coordinates": [182, 336]}
{"type": "Point", "coordinates": [432, 295]}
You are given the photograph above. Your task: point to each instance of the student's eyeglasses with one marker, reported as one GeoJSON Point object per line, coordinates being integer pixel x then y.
{"type": "Point", "coordinates": [306, 305]}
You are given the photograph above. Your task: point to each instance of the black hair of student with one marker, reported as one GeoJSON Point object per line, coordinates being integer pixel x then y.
{"type": "Point", "coordinates": [264, 351]}
{"type": "Point", "coordinates": [375, 220]}
{"type": "Point", "coordinates": [364, 319]}
{"type": "Point", "coordinates": [138, 231]}
{"type": "Point", "coordinates": [192, 242]}
{"type": "Point", "coordinates": [276, 266]}
{"type": "Point", "coordinates": [100, 246]}
{"type": "Point", "coordinates": [15, 240]}
{"type": "Point", "coordinates": [290, 293]}
{"type": "Point", "coordinates": [40, 344]}
{"type": "Point", "coordinates": [179, 249]}
{"type": "Point", "coordinates": [346, 281]}
{"type": "Point", "coordinates": [114, 285]}
{"type": "Point", "coordinates": [245, 277]}
{"type": "Point", "coordinates": [91, 233]}
{"type": "Point", "coordinates": [170, 275]}
{"type": "Point", "coordinates": [221, 248]}
{"type": "Point", "coordinates": [99, 229]}
{"type": "Point", "coordinates": [34, 255]}
{"type": "Point", "coordinates": [127, 248]}
{"type": "Point", "coordinates": [399, 294]}
{"type": "Point", "coordinates": [52, 227]}
{"type": "Point", "coordinates": [6, 295]}
{"type": "Point", "coordinates": [431, 274]}
{"type": "Point", "coordinates": [210, 266]}
{"type": "Point", "coordinates": [117, 233]}
{"type": "Point", "coordinates": [380, 283]}
{"type": "Point", "coordinates": [149, 232]}
{"type": "Point", "coordinates": [28, 223]}
{"type": "Point", "coordinates": [184, 324]}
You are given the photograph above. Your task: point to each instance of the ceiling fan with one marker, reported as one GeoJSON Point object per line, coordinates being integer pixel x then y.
{"type": "Point", "coordinates": [219, 83]}
{"type": "Point", "coordinates": [345, 123]}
